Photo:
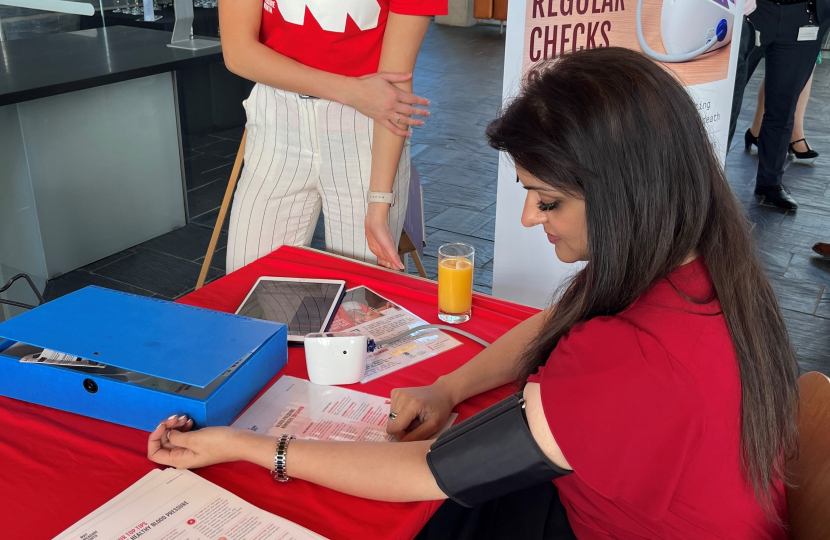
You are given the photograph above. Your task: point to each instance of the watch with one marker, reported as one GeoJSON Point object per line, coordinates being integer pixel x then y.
{"type": "Point", "coordinates": [375, 196]}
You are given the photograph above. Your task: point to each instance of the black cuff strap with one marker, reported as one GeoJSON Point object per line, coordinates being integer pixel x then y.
{"type": "Point", "coordinates": [489, 455]}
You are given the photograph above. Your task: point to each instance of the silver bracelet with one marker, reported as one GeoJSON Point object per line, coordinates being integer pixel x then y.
{"type": "Point", "coordinates": [280, 471]}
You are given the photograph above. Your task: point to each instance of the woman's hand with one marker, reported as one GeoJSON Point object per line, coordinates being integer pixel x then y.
{"type": "Point", "coordinates": [378, 98]}
{"type": "Point", "coordinates": [172, 443]}
{"type": "Point", "coordinates": [421, 411]}
{"type": "Point", "coordinates": [380, 238]}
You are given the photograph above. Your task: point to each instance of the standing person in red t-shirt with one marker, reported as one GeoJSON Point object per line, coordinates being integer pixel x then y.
{"type": "Point", "coordinates": [659, 392]}
{"type": "Point", "coordinates": [328, 122]}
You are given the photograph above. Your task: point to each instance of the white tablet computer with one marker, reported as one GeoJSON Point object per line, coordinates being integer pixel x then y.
{"type": "Point", "coordinates": [303, 305]}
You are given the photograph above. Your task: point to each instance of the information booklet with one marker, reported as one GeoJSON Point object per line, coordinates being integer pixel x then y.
{"type": "Point", "coordinates": [178, 504]}
{"type": "Point", "coordinates": [297, 407]}
{"type": "Point", "coordinates": [365, 312]}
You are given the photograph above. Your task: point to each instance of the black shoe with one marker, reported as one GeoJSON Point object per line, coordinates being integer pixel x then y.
{"type": "Point", "coordinates": [822, 249]}
{"type": "Point", "coordinates": [809, 154]}
{"type": "Point", "coordinates": [777, 196]}
{"type": "Point", "coordinates": [750, 139]}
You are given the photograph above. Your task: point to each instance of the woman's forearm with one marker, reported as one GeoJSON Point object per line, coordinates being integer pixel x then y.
{"type": "Point", "coordinates": [401, 43]}
{"type": "Point", "coordinates": [252, 60]}
{"type": "Point", "coordinates": [495, 366]}
{"type": "Point", "coordinates": [386, 154]}
{"type": "Point", "coordinates": [240, 22]}
{"type": "Point", "coordinates": [395, 472]}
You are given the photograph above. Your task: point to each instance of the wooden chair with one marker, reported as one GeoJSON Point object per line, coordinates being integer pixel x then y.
{"type": "Point", "coordinates": [412, 238]}
{"type": "Point", "coordinates": [223, 211]}
{"type": "Point", "coordinates": [808, 502]}
{"type": "Point", "coordinates": [490, 9]}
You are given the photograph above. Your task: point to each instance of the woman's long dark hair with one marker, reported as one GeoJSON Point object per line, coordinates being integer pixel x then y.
{"type": "Point", "coordinates": [613, 128]}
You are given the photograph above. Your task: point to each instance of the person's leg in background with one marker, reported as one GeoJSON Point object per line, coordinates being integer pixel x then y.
{"type": "Point", "coordinates": [789, 63]}
{"type": "Point", "coordinates": [741, 75]}
{"type": "Point", "coordinates": [345, 141]}
{"type": "Point", "coordinates": [764, 22]}
{"type": "Point", "coordinates": [798, 140]}
{"type": "Point", "coordinates": [755, 129]}
{"type": "Point", "coordinates": [276, 200]}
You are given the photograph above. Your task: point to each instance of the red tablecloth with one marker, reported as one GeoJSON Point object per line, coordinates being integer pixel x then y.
{"type": "Point", "coordinates": [56, 467]}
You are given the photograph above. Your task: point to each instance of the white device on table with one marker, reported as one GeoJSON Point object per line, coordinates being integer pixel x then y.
{"type": "Point", "coordinates": [303, 305]}
{"type": "Point", "coordinates": [336, 357]}
{"type": "Point", "coordinates": [340, 357]}
{"type": "Point", "coordinates": [690, 28]}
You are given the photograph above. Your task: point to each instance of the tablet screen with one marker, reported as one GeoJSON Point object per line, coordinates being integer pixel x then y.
{"type": "Point", "coordinates": [304, 307]}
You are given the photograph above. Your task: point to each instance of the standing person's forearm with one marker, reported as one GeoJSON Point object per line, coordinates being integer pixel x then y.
{"type": "Point", "coordinates": [256, 62]}
{"type": "Point", "coordinates": [401, 42]}
{"type": "Point", "coordinates": [386, 154]}
{"type": "Point", "coordinates": [495, 366]}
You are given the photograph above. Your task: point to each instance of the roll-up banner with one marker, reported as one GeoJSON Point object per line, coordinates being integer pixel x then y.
{"type": "Point", "coordinates": [697, 40]}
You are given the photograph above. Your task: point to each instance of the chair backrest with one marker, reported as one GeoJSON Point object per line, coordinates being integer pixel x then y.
{"type": "Point", "coordinates": [413, 222]}
{"type": "Point", "coordinates": [490, 9]}
{"type": "Point", "coordinates": [808, 501]}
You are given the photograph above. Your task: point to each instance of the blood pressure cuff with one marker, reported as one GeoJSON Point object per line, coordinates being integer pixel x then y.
{"type": "Point", "coordinates": [489, 455]}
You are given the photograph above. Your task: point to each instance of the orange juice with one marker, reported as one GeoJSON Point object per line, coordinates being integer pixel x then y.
{"type": "Point", "coordinates": [455, 285]}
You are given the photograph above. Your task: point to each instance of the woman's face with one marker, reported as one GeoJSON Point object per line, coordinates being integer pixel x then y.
{"type": "Point", "coordinates": [562, 217]}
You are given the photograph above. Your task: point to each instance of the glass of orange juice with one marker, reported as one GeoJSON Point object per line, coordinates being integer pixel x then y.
{"type": "Point", "coordinates": [455, 282]}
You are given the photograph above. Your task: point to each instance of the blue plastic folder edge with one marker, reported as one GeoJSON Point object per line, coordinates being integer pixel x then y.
{"type": "Point", "coordinates": [137, 406]}
{"type": "Point", "coordinates": [117, 401]}
{"type": "Point", "coordinates": [177, 342]}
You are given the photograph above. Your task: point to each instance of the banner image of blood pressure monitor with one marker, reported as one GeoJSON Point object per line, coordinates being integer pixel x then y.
{"type": "Point", "coordinates": [697, 40]}
{"type": "Point", "coordinates": [690, 36]}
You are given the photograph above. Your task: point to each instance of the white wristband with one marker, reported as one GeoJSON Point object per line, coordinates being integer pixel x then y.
{"type": "Point", "coordinates": [374, 196]}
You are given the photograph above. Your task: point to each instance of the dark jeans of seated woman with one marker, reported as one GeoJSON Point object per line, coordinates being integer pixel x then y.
{"type": "Point", "coordinates": [531, 514]}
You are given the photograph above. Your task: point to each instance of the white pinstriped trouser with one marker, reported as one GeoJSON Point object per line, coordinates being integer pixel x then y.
{"type": "Point", "coordinates": [301, 156]}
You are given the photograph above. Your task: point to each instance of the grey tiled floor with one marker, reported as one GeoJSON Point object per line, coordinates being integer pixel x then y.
{"type": "Point", "coordinates": [800, 278]}
{"type": "Point", "coordinates": [460, 71]}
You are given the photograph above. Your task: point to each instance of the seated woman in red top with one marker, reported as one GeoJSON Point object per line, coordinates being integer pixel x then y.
{"type": "Point", "coordinates": [663, 377]}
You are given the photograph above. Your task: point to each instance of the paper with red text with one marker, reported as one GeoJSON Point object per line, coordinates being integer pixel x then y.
{"type": "Point", "coordinates": [328, 413]}
{"type": "Point", "coordinates": [180, 505]}
{"type": "Point", "coordinates": [367, 313]}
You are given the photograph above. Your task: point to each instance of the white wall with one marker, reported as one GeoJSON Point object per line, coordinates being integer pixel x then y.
{"type": "Point", "coordinates": [20, 241]}
{"type": "Point", "coordinates": [459, 13]}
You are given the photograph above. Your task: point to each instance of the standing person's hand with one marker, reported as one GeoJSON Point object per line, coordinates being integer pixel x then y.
{"type": "Point", "coordinates": [420, 411]}
{"type": "Point", "coordinates": [380, 238]}
{"type": "Point", "coordinates": [378, 98]}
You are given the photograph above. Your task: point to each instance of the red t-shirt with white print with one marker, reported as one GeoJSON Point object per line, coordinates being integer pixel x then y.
{"type": "Point", "coordinates": [338, 36]}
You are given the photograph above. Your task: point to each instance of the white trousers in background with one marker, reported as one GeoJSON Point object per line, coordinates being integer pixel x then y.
{"type": "Point", "coordinates": [303, 155]}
